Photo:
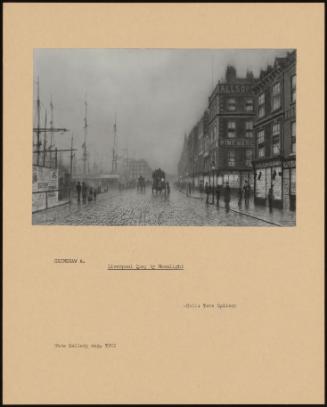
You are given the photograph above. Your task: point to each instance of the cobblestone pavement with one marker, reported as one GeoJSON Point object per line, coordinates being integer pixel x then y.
{"type": "Point", "coordinates": [133, 208]}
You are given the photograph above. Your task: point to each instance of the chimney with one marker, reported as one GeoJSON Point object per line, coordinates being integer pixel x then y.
{"type": "Point", "coordinates": [230, 73]}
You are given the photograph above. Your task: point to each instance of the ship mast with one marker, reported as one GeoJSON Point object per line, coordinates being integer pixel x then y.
{"type": "Point", "coordinates": [51, 123]}
{"type": "Point", "coordinates": [85, 167]}
{"type": "Point", "coordinates": [38, 108]}
{"type": "Point", "coordinates": [45, 138]}
{"type": "Point", "coordinates": [115, 149]}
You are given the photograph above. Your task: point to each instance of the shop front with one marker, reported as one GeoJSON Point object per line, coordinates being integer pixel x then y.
{"type": "Point", "coordinates": [268, 175]}
{"type": "Point", "coordinates": [236, 179]}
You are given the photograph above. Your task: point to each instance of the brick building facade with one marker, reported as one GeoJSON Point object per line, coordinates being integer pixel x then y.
{"type": "Point", "coordinates": [248, 132]}
{"type": "Point", "coordinates": [220, 147]}
{"type": "Point", "coordinates": [275, 134]}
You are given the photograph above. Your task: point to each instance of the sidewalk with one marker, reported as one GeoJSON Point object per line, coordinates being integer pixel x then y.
{"type": "Point", "coordinates": [278, 217]}
{"type": "Point", "coordinates": [194, 194]}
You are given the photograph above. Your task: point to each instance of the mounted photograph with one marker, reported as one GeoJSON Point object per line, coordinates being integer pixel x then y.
{"type": "Point", "coordinates": [164, 137]}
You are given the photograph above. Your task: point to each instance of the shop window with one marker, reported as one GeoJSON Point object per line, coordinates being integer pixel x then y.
{"type": "Point", "coordinates": [276, 182]}
{"type": "Point", "coordinates": [260, 181]}
{"type": "Point", "coordinates": [293, 88]}
{"type": "Point", "coordinates": [276, 96]}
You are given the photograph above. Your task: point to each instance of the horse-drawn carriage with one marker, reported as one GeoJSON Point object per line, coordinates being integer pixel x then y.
{"type": "Point", "coordinates": [159, 183]}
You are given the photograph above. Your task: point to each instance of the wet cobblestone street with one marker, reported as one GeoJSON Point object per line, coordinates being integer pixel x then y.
{"type": "Point", "coordinates": [132, 208]}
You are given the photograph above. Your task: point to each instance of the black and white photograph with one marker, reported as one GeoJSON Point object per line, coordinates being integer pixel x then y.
{"type": "Point", "coordinates": [164, 137]}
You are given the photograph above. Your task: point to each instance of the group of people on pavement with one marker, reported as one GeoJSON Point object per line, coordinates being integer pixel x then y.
{"type": "Point", "coordinates": [225, 191]}
{"type": "Point", "coordinates": [244, 193]}
{"type": "Point", "coordinates": [88, 193]}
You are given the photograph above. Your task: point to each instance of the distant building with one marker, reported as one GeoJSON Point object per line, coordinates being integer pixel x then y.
{"type": "Point", "coordinates": [135, 168]}
{"type": "Point", "coordinates": [275, 133]}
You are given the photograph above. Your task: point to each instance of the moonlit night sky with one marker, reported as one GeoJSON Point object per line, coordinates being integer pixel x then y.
{"type": "Point", "coordinates": [157, 96]}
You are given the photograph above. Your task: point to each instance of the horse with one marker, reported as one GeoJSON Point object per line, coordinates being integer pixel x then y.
{"type": "Point", "coordinates": [158, 186]}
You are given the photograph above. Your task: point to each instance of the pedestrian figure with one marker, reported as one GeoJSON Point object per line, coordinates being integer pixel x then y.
{"type": "Point", "coordinates": [168, 188]}
{"type": "Point", "coordinates": [95, 194]}
{"type": "Point", "coordinates": [90, 197]}
{"type": "Point", "coordinates": [84, 192]}
{"type": "Point", "coordinates": [217, 194]}
{"type": "Point", "coordinates": [207, 191]}
{"type": "Point", "coordinates": [227, 194]}
{"type": "Point", "coordinates": [240, 196]}
{"type": "Point", "coordinates": [246, 190]}
{"type": "Point", "coordinates": [78, 189]}
{"type": "Point", "coordinates": [270, 198]}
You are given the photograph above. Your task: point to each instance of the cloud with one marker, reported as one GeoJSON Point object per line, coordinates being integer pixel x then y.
{"type": "Point", "coordinates": [156, 94]}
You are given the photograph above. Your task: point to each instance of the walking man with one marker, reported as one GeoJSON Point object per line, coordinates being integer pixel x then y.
{"type": "Point", "coordinates": [217, 194]}
{"type": "Point", "coordinates": [246, 194]}
{"type": "Point", "coordinates": [78, 189]}
{"type": "Point", "coordinates": [84, 192]}
{"type": "Point", "coordinates": [207, 191]}
{"type": "Point", "coordinates": [227, 194]}
{"type": "Point", "coordinates": [240, 196]}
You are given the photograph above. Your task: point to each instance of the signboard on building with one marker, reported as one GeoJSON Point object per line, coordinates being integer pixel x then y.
{"type": "Point", "coordinates": [237, 142]}
{"type": "Point", "coordinates": [228, 89]}
{"type": "Point", "coordinates": [44, 187]}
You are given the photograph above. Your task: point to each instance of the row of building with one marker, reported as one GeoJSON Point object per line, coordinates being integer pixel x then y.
{"type": "Point", "coordinates": [248, 132]}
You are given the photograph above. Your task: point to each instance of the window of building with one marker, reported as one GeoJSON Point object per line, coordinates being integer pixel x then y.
{"type": "Point", "coordinates": [261, 137]}
{"type": "Point", "coordinates": [249, 105]}
{"type": "Point", "coordinates": [293, 88]}
{"type": "Point", "coordinates": [276, 96]}
{"type": "Point", "coordinates": [276, 129]}
{"type": "Point", "coordinates": [248, 157]}
{"type": "Point", "coordinates": [261, 152]}
{"type": "Point", "coordinates": [261, 105]}
{"type": "Point", "coordinates": [215, 132]}
{"type": "Point", "coordinates": [276, 148]}
{"type": "Point", "coordinates": [231, 126]}
{"type": "Point", "coordinates": [231, 104]}
{"type": "Point", "coordinates": [231, 158]}
{"type": "Point", "coordinates": [249, 129]}
{"type": "Point", "coordinates": [293, 137]}
{"type": "Point", "coordinates": [276, 138]}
